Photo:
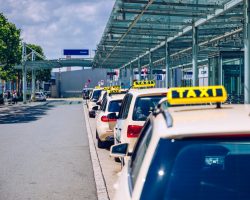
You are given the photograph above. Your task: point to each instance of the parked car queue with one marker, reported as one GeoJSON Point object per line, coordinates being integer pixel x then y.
{"type": "Point", "coordinates": [188, 152]}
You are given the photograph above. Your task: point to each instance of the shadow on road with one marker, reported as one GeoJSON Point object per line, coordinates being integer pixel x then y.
{"type": "Point", "coordinates": [23, 114]}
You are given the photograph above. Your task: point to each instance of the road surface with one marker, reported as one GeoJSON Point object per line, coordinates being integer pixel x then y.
{"type": "Point", "coordinates": [44, 153]}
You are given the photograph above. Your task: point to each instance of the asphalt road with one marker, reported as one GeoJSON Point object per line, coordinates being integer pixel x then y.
{"type": "Point", "coordinates": [44, 153]}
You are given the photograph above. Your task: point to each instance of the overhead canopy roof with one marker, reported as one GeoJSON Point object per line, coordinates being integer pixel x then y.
{"type": "Point", "coordinates": [137, 27]}
{"type": "Point", "coordinates": [49, 64]}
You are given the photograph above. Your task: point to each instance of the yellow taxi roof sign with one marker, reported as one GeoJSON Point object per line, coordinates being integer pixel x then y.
{"type": "Point", "coordinates": [114, 91]}
{"type": "Point", "coordinates": [196, 95]}
{"type": "Point", "coordinates": [144, 84]}
{"type": "Point", "coordinates": [106, 88]}
{"type": "Point", "coordinates": [114, 87]}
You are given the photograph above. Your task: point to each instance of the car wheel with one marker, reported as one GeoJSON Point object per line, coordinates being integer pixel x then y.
{"type": "Point", "coordinates": [96, 135]}
{"type": "Point", "coordinates": [100, 144]}
{"type": "Point", "coordinates": [117, 159]}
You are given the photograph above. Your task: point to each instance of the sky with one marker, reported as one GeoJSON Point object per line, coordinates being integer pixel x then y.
{"type": "Point", "coordinates": [59, 24]}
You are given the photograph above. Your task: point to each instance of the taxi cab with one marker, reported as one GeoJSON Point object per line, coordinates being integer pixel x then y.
{"type": "Point", "coordinates": [136, 106]}
{"type": "Point", "coordinates": [104, 123]}
{"type": "Point", "coordinates": [199, 152]}
{"type": "Point", "coordinates": [95, 95]}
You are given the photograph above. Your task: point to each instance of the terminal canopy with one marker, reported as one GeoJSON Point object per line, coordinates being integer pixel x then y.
{"type": "Point", "coordinates": [139, 28]}
{"type": "Point", "coordinates": [49, 64]}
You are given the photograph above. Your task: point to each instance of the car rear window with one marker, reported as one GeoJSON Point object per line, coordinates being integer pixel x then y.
{"type": "Point", "coordinates": [114, 106]}
{"type": "Point", "coordinates": [199, 169]}
{"type": "Point", "coordinates": [144, 106]}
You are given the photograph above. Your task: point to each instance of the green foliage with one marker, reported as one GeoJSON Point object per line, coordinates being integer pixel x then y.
{"type": "Point", "coordinates": [42, 74]}
{"type": "Point", "coordinates": [10, 50]}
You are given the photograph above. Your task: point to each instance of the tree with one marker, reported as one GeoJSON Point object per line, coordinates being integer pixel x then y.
{"type": "Point", "coordinates": [10, 50]}
{"type": "Point", "coordinates": [41, 74]}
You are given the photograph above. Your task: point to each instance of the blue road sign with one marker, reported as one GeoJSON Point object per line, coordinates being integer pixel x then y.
{"type": "Point", "coordinates": [159, 77]}
{"type": "Point", "coordinates": [76, 52]}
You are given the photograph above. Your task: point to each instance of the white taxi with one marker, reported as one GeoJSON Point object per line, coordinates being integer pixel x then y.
{"type": "Point", "coordinates": [102, 97]}
{"type": "Point", "coordinates": [95, 95]}
{"type": "Point", "coordinates": [104, 121]}
{"type": "Point", "coordinates": [135, 108]}
{"type": "Point", "coordinates": [190, 152]}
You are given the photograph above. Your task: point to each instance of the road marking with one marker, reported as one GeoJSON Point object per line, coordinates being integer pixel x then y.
{"type": "Point", "coordinates": [102, 193]}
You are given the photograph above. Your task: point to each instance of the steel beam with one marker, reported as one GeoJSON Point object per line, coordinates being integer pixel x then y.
{"type": "Point", "coordinates": [247, 52]}
{"type": "Point", "coordinates": [179, 4]}
{"type": "Point", "coordinates": [137, 18]}
{"type": "Point", "coordinates": [218, 12]}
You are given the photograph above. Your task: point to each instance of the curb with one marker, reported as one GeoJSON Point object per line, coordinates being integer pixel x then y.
{"type": "Point", "coordinates": [101, 188]}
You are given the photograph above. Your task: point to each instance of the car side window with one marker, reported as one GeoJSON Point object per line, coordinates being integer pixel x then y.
{"type": "Point", "coordinates": [140, 151]}
{"type": "Point", "coordinates": [127, 106]}
{"type": "Point", "coordinates": [104, 105]}
{"type": "Point", "coordinates": [122, 107]}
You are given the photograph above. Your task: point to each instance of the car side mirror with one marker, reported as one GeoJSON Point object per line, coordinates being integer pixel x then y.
{"type": "Point", "coordinates": [92, 114]}
{"type": "Point", "coordinates": [112, 116]}
{"type": "Point", "coordinates": [95, 108]}
{"type": "Point", "coordinates": [119, 150]}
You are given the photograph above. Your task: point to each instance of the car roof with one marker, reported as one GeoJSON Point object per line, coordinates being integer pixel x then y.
{"type": "Point", "coordinates": [147, 91]}
{"type": "Point", "coordinates": [205, 120]}
{"type": "Point", "coordinates": [116, 97]}
{"type": "Point", "coordinates": [97, 89]}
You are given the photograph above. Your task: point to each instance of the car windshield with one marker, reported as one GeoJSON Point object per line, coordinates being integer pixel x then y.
{"type": "Point", "coordinates": [114, 106]}
{"type": "Point", "coordinates": [145, 105]}
{"type": "Point", "coordinates": [201, 169]}
{"type": "Point", "coordinates": [96, 94]}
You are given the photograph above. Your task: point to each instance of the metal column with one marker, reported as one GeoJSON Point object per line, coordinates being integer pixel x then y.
{"type": "Point", "coordinates": [150, 66]}
{"type": "Point", "coordinates": [167, 76]}
{"type": "Point", "coordinates": [33, 77]}
{"type": "Point", "coordinates": [131, 74]}
{"type": "Point", "coordinates": [24, 70]}
{"type": "Point", "coordinates": [195, 56]}
{"type": "Point", "coordinates": [120, 76]}
{"type": "Point", "coordinates": [139, 68]}
{"type": "Point", "coordinates": [247, 52]}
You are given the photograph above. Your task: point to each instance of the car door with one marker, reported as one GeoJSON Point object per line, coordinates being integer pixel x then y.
{"type": "Point", "coordinates": [137, 158]}
{"type": "Point", "coordinates": [123, 114]}
{"type": "Point", "coordinates": [101, 111]}
{"type": "Point", "coordinates": [113, 107]}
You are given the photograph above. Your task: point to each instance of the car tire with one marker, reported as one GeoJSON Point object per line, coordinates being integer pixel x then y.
{"type": "Point", "coordinates": [100, 144]}
{"type": "Point", "coordinates": [90, 116]}
{"type": "Point", "coordinates": [117, 159]}
{"type": "Point", "coordinates": [96, 135]}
